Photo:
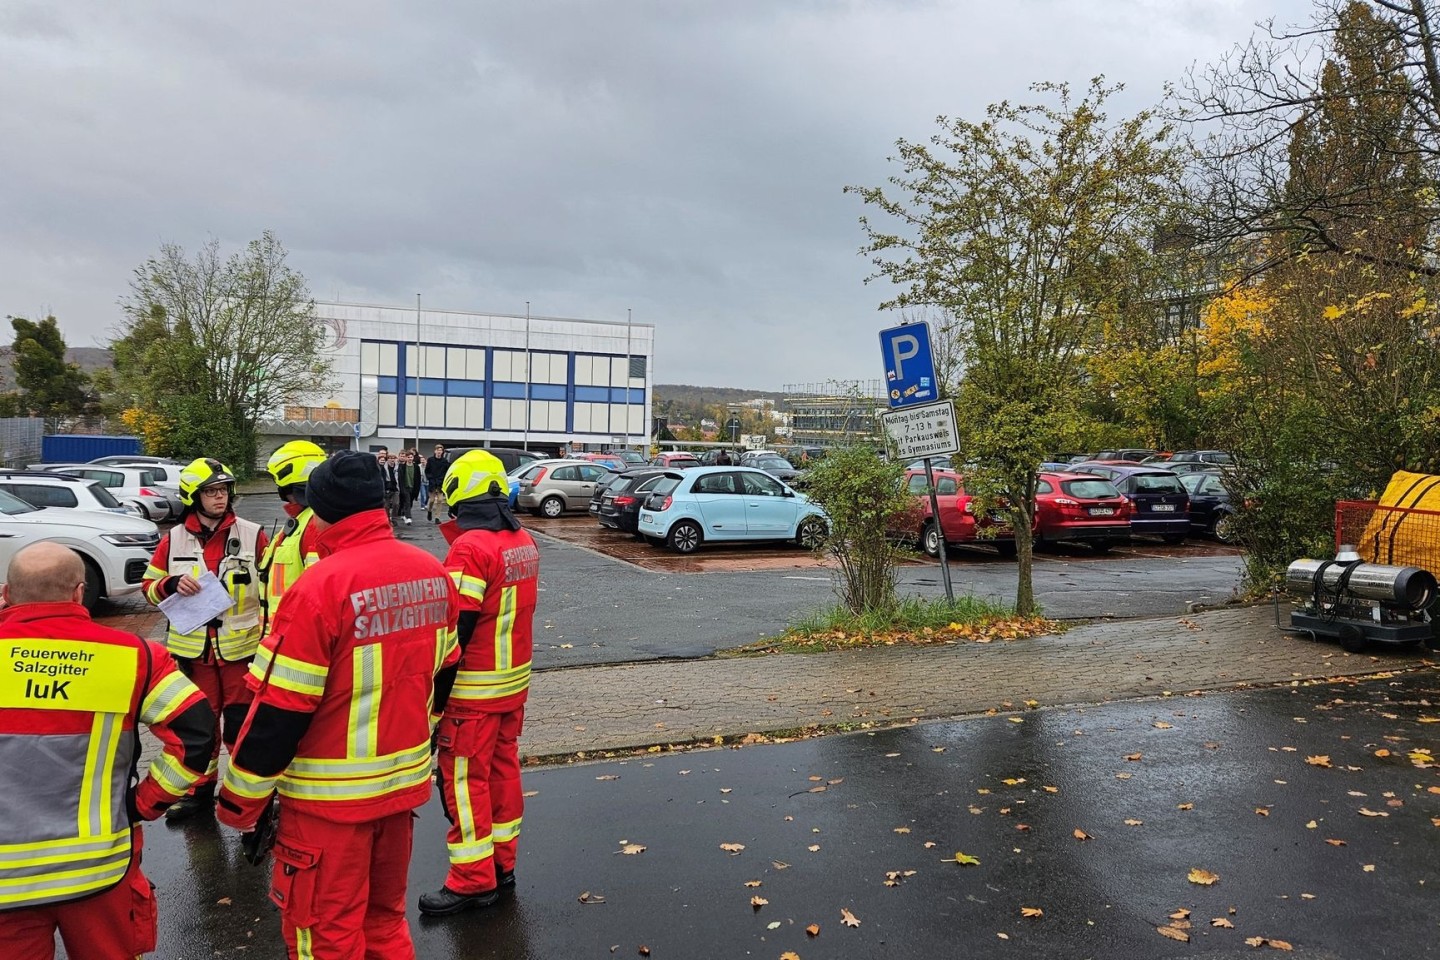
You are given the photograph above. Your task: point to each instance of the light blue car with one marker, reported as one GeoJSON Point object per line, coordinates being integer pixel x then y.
{"type": "Point", "coordinates": [689, 507]}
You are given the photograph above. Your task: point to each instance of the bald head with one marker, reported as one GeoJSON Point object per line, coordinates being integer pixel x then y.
{"type": "Point", "coordinates": [43, 573]}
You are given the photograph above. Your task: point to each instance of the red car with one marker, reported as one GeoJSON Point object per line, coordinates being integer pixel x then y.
{"type": "Point", "coordinates": [1080, 506]}
{"type": "Point", "coordinates": [957, 515]}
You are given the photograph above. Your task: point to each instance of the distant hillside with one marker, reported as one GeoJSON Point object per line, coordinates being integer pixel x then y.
{"type": "Point", "coordinates": [90, 359]}
{"type": "Point", "coordinates": [685, 395]}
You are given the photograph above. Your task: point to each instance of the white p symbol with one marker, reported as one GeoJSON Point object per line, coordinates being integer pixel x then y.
{"type": "Point", "coordinates": [905, 346]}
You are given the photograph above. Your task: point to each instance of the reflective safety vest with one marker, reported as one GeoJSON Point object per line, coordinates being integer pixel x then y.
{"type": "Point", "coordinates": [64, 829]}
{"type": "Point", "coordinates": [284, 559]}
{"type": "Point", "coordinates": [239, 632]}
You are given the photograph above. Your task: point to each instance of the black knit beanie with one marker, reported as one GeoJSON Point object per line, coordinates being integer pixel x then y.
{"type": "Point", "coordinates": [347, 483]}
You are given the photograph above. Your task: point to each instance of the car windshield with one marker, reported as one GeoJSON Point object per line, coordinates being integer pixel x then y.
{"type": "Point", "coordinates": [101, 495]}
{"type": "Point", "coordinates": [13, 506]}
{"type": "Point", "coordinates": [1090, 489]}
{"type": "Point", "coordinates": [1158, 483]}
{"type": "Point", "coordinates": [771, 461]}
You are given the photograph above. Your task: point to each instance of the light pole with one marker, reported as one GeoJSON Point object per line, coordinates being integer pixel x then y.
{"type": "Point", "coordinates": [627, 378]}
{"type": "Point", "coordinates": [417, 373]}
{"type": "Point", "coordinates": [526, 444]}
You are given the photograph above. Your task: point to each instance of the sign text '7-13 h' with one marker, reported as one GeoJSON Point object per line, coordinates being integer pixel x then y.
{"type": "Point", "coordinates": [923, 430]}
{"type": "Point", "coordinates": [909, 365]}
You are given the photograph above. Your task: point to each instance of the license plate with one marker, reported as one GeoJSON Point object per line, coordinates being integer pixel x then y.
{"type": "Point", "coordinates": [1102, 511]}
{"type": "Point", "coordinates": [1163, 508]}
{"type": "Point", "coordinates": [646, 517]}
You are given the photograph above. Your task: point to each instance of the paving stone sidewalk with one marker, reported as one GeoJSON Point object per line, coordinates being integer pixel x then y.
{"type": "Point", "coordinates": [639, 705]}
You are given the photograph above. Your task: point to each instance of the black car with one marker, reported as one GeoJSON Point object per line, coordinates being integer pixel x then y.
{"type": "Point", "coordinates": [1159, 504]}
{"type": "Point", "coordinates": [1210, 508]}
{"type": "Point", "coordinates": [620, 506]}
{"type": "Point", "coordinates": [601, 486]}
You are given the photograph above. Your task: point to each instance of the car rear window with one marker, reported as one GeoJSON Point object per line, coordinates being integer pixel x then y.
{"type": "Point", "coordinates": [666, 484]}
{"type": "Point", "coordinates": [102, 496]}
{"type": "Point", "coordinates": [1157, 483]}
{"type": "Point", "coordinates": [1090, 489]}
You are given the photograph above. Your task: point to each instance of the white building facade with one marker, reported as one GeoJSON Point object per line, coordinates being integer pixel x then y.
{"type": "Point", "coordinates": [406, 376]}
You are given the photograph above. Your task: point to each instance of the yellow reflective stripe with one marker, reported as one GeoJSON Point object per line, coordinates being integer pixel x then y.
{"type": "Point", "coordinates": [342, 768]}
{"type": "Point", "coordinates": [505, 628]}
{"type": "Point", "coordinates": [491, 684]}
{"type": "Point", "coordinates": [464, 813]}
{"type": "Point", "coordinates": [162, 702]}
{"type": "Point", "coordinates": [153, 572]}
{"type": "Point", "coordinates": [59, 886]}
{"type": "Point", "coordinates": [304, 944]}
{"type": "Point", "coordinates": [356, 789]}
{"type": "Point", "coordinates": [509, 830]}
{"type": "Point", "coordinates": [297, 676]}
{"type": "Point", "coordinates": [16, 855]}
{"type": "Point", "coordinates": [472, 587]}
{"type": "Point", "coordinates": [471, 852]}
{"type": "Point", "coordinates": [367, 678]}
{"type": "Point", "coordinates": [94, 811]}
{"type": "Point", "coordinates": [172, 775]}
{"type": "Point", "coordinates": [251, 786]}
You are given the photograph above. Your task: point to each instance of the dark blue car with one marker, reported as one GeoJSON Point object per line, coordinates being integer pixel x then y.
{"type": "Point", "coordinates": [1211, 510]}
{"type": "Point", "coordinates": [1159, 504]}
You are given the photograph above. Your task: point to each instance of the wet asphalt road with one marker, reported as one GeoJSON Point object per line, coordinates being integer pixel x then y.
{"type": "Point", "coordinates": [596, 609]}
{"type": "Point", "coordinates": [842, 813]}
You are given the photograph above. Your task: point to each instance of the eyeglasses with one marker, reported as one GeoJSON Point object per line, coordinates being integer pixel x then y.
{"type": "Point", "coordinates": [215, 492]}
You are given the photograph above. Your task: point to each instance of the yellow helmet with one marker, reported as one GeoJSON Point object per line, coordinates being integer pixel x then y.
{"type": "Point", "coordinates": [201, 473]}
{"type": "Point", "coordinates": [475, 474]}
{"type": "Point", "coordinates": [292, 463]}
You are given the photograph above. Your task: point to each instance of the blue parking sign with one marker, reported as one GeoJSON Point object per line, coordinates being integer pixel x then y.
{"type": "Point", "coordinates": [909, 365]}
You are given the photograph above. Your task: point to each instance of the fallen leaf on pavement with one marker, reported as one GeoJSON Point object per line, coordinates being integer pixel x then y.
{"type": "Point", "coordinates": [1320, 760]}
{"type": "Point", "coordinates": [1311, 825]}
{"type": "Point", "coordinates": [732, 848]}
{"type": "Point", "coordinates": [1031, 912]}
{"type": "Point", "coordinates": [1051, 789]}
{"type": "Point", "coordinates": [1368, 868]}
{"type": "Point", "coordinates": [1022, 827]}
{"type": "Point", "coordinates": [1081, 835]}
{"type": "Point", "coordinates": [1003, 936]}
{"type": "Point", "coordinates": [758, 902]}
{"type": "Point", "coordinates": [752, 883]}
{"type": "Point", "coordinates": [789, 955]}
{"type": "Point", "coordinates": [1181, 914]}
{"type": "Point", "coordinates": [630, 849]}
{"type": "Point", "coordinates": [773, 925]}
{"type": "Point", "coordinates": [530, 793]}
{"type": "Point", "coordinates": [1185, 806]}
{"type": "Point", "coordinates": [588, 897]}
{"type": "Point", "coordinates": [1122, 776]}
{"type": "Point", "coordinates": [1267, 942]}
{"type": "Point", "coordinates": [224, 901]}
{"type": "Point", "coordinates": [930, 844]}
{"type": "Point", "coordinates": [1134, 756]}
{"type": "Point", "coordinates": [1013, 781]}
{"type": "Point", "coordinates": [1334, 843]}
{"type": "Point", "coordinates": [609, 776]}
{"type": "Point", "coordinates": [779, 864]}
{"type": "Point", "coordinates": [1174, 933]}
{"type": "Point", "coordinates": [1222, 922]}
{"type": "Point", "coordinates": [848, 919]}
{"type": "Point", "coordinates": [1367, 812]}
{"type": "Point", "coordinates": [1162, 725]}
{"type": "Point", "coordinates": [902, 829]}
{"type": "Point", "coordinates": [964, 859]}
{"type": "Point", "coordinates": [644, 950]}
{"type": "Point", "coordinates": [1132, 822]}
{"type": "Point", "coordinates": [1203, 877]}
{"type": "Point", "coordinates": [813, 930]}
{"type": "Point", "coordinates": [1382, 752]}
{"type": "Point", "coordinates": [813, 848]}
{"type": "Point", "coordinates": [1015, 719]}
{"type": "Point", "coordinates": [1263, 811]}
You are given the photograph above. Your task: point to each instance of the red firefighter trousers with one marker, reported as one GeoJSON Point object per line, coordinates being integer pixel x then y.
{"type": "Point", "coordinates": [341, 886]}
{"type": "Point", "coordinates": [118, 924]}
{"type": "Point", "coordinates": [223, 683]}
{"type": "Point", "coordinates": [480, 787]}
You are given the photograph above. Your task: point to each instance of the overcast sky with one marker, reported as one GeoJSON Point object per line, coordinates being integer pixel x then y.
{"type": "Point", "coordinates": [683, 159]}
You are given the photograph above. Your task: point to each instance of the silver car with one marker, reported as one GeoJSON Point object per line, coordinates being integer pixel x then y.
{"type": "Point", "coordinates": [550, 487]}
{"type": "Point", "coordinates": [140, 484]}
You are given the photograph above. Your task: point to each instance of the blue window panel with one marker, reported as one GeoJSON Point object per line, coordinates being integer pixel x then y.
{"type": "Point", "coordinates": [465, 388]}
{"type": "Point", "coordinates": [637, 395]}
{"type": "Point", "coordinates": [547, 391]}
{"type": "Point", "coordinates": [388, 384]}
{"type": "Point", "coordinates": [592, 394]}
{"type": "Point", "coordinates": [431, 387]}
{"type": "Point", "coordinates": [622, 395]}
{"type": "Point", "coordinates": [509, 391]}
{"type": "Point", "coordinates": [617, 395]}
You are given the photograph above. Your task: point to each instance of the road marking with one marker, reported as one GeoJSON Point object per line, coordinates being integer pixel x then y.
{"type": "Point", "coordinates": [816, 579]}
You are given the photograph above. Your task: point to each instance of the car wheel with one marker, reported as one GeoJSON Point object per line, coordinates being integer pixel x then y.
{"type": "Point", "coordinates": [552, 507]}
{"type": "Point", "coordinates": [1224, 528]}
{"type": "Point", "coordinates": [930, 540]}
{"type": "Point", "coordinates": [94, 584]}
{"type": "Point", "coordinates": [684, 537]}
{"type": "Point", "coordinates": [811, 533]}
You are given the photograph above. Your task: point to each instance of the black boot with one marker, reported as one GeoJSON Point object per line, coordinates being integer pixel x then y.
{"type": "Point", "coordinates": [201, 800]}
{"type": "Point", "coordinates": [505, 879]}
{"type": "Point", "coordinates": [445, 901]}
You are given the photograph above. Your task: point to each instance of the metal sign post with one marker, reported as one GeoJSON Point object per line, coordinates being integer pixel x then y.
{"type": "Point", "coordinates": [917, 424]}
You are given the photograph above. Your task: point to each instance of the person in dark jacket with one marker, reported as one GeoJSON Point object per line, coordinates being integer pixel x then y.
{"type": "Point", "coordinates": [409, 474]}
{"type": "Point", "coordinates": [435, 469]}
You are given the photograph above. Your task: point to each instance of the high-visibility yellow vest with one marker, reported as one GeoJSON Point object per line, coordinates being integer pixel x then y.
{"type": "Point", "coordinates": [239, 632]}
{"type": "Point", "coordinates": [64, 832]}
{"type": "Point", "coordinates": [284, 562]}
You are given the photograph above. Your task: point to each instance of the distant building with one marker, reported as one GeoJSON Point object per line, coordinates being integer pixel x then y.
{"type": "Point", "coordinates": [835, 413]}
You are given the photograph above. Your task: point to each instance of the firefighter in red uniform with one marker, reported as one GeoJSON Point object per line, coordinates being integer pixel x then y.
{"type": "Point", "coordinates": [293, 549]}
{"type": "Point", "coordinates": [71, 694]}
{"type": "Point", "coordinates": [496, 566]}
{"type": "Point", "coordinates": [217, 655]}
{"type": "Point", "coordinates": [362, 649]}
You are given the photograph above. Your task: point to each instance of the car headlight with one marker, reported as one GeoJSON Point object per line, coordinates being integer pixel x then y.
{"type": "Point", "coordinates": [132, 539]}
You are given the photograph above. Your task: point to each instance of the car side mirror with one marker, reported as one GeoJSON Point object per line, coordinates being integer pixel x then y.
{"type": "Point", "coordinates": [788, 492]}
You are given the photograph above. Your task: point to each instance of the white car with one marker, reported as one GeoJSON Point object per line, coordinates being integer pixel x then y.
{"type": "Point", "coordinates": [116, 548]}
{"type": "Point", "coordinates": [140, 484]}
{"type": "Point", "coordinates": [40, 489]}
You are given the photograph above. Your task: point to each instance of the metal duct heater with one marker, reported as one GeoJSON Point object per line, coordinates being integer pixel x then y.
{"type": "Point", "coordinates": [1357, 602]}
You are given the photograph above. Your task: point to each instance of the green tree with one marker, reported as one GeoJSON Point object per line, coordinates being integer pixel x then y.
{"type": "Point", "coordinates": [50, 386]}
{"type": "Point", "coordinates": [1033, 229]}
{"type": "Point", "coordinates": [216, 344]}
{"type": "Point", "coordinates": [861, 494]}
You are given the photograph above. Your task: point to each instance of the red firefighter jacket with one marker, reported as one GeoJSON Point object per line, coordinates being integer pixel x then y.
{"type": "Point", "coordinates": [498, 576]}
{"type": "Point", "coordinates": [71, 693]}
{"type": "Point", "coordinates": [345, 682]}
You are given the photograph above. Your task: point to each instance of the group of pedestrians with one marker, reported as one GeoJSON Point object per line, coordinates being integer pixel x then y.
{"type": "Point", "coordinates": [409, 477]}
{"type": "Point", "coordinates": [345, 661]}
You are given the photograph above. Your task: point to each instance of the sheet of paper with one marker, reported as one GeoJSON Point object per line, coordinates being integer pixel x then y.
{"type": "Point", "coordinates": [188, 614]}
